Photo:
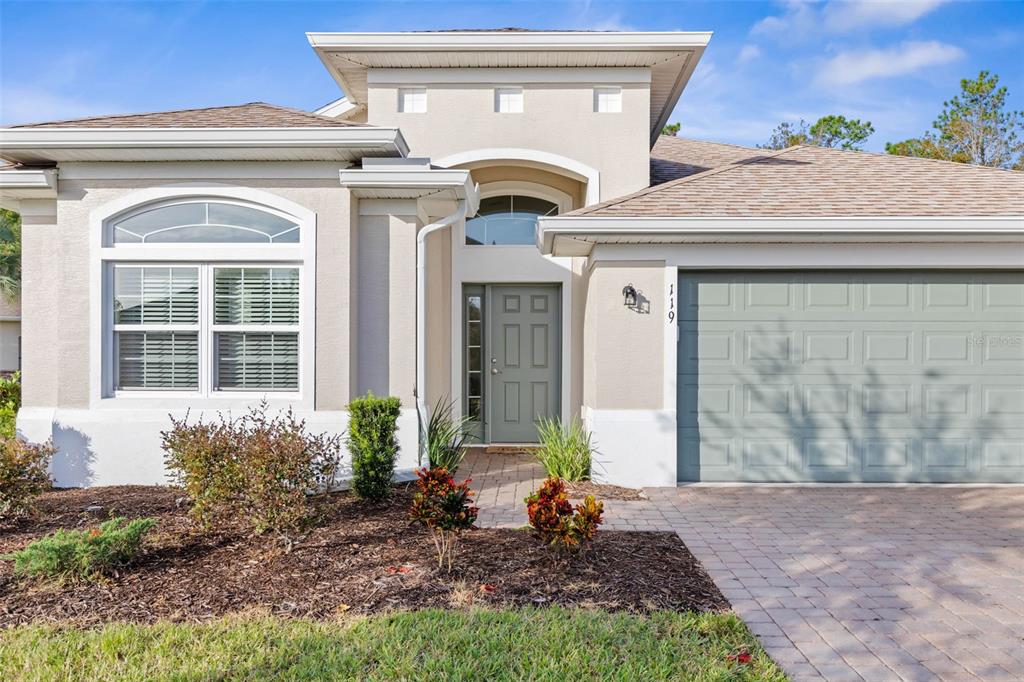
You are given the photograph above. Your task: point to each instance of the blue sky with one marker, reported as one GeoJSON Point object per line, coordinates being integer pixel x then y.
{"type": "Point", "coordinates": [893, 63]}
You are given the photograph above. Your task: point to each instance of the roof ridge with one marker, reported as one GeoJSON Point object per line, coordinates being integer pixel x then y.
{"type": "Point", "coordinates": [887, 155]}
{"type": "Point", "coordinates": [679, 181]}
{"type": "Point", "coordinates": [137, 113]}
{"type": "Point", "coordinates": [724, 144]}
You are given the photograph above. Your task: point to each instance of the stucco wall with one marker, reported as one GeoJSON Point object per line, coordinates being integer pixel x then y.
{"type": "Point", "coordinates": [557, 118]}
{"type": "Point", "coordinates": [624, 376]}
{"type": "Point", "coordinates": [57, 266]}
{"type": "Point", "coordinates": [624, 348]}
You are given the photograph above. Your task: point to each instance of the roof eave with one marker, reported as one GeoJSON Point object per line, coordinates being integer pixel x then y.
{"type": "Point", "coordinates": [46, 144]}
{"type": "Point", "coordinates": [17, 185]}
{"type": "Point", "coordinates": [588, 230]}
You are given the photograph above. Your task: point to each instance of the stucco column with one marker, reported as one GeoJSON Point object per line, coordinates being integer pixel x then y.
{"type": "Point", "coordinates": [41, 303]}
{"type": "Point", "coordinates": [625, 376]}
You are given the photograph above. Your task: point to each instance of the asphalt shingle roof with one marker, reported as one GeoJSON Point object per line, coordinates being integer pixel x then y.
{"type": "Point", "coordinates": [816, 181]}
{"type": "Point", "coordinates": [251, 115]}
{"type": "Point", "coordinates": [678, 157]}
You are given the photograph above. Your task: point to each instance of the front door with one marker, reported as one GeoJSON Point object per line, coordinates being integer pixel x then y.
{"type": "Point", "coordinates": [522, 360]}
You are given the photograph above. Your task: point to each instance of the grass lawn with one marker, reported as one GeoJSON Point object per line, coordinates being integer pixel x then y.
{"type": "Point", "coordinates": [477, 644]}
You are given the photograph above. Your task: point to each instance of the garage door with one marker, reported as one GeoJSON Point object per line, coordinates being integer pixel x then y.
{"type": "Point", "coordinates": [851, 376]}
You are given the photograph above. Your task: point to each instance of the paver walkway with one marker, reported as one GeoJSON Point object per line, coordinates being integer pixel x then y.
{"type": "Point", "coordinates": [840, 583]}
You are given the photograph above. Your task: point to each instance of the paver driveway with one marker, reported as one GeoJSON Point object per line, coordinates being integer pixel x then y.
{"type": "Point", "coordinates": [873, 583]}
{"type": "Point", "coordinates": [841, 583]}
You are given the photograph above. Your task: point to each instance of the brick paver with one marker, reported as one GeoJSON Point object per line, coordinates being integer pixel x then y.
{"type": "Point", "coordinates": [872, 583]}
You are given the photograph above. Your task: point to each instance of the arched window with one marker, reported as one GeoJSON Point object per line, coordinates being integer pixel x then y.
{"type": "Point", "coordinates": [226, 318]}
{"type": "Point", "coordinates": [510, 219]}
{"type": "Point", "coordinates": [198, 221]}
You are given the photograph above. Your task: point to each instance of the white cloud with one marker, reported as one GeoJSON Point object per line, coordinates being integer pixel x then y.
{"type": "Point", "coordinates": [33, 105]}
{"type": "Point", "coordinates": [849, 14]}
{"type": "Point", "coordinates": [748, 53]}
{"type": "Point", "coordinates": [804, 18]}
{"type": "Point", "coordinates": [857, 66]}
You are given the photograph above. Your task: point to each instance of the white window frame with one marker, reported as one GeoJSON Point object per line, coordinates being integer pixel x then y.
{"type": "Point", "coordinates": [207, 257]}
{"type": "Point", "coordinates": [614, 101]}
{"type": "Point", "coordinates": [510, 95]}
{"type": "Point", "coordinates": [417, 104]}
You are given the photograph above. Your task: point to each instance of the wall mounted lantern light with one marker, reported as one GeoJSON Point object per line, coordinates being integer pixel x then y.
{"type": "Point", "coordinates": [629, 293]}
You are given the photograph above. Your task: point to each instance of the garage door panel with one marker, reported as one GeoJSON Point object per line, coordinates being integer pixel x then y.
{"type": "Point", "coordinates": [852, 376]}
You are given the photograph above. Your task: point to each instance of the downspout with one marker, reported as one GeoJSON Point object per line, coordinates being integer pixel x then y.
{"type": "Point", "coordinates": [420, 391]}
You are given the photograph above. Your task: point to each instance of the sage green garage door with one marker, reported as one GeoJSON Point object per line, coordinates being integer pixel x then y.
{"type": "Point", "coordinates": [851, 376]}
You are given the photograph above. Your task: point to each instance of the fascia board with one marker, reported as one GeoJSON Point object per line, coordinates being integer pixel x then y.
{"type": "Point", "coordinates": [38, 179]}
{"type": "Point", "coordinates": [459, 181]}
{"type": "Point", "coordinates": [931, 228]}
{"type": "Point", "coordinates": [472, 40]}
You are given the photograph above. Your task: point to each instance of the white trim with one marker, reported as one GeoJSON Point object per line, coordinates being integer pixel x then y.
{"type": "Point", "coordinates": [590, 175]}
{"type": "Point", "coordinates": [16, 185]}
{"type": "Point", "coordinates": [615, 102]}
{"type": "Point", "coordinates": [529, 189]}
{"type": "Point", "coordinates": [509, 76]}
{"type": "Point", "coordinates": [512, 40]}
{"type": "Point", "coordinates": [610, 229]}
{"type": "Point", "coordinates": [302, 255]}
{"type": "Point", "coordinates": [456, 180]}
{"type": "Point", "coordinates": [210, 170]}
{"type": "Point", "coordinates": [336, 109]}
{"type": "Point", "coordinates": [30, 144]}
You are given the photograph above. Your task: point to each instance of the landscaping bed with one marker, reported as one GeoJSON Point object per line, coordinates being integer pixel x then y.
{"type": "Point", "coordinates": [364, 558]}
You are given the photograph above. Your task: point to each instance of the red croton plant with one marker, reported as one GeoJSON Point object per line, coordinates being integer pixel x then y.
{"type": "Point", "coordinates": [556, 521]}
{"type": "Point", "coordinates": [445, 507]}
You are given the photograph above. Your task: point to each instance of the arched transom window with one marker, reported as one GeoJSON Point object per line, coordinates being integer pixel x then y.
{"type": "Point", "coordinates": [510, 219]}
{"type": "Point", "coordinates": [224, 318]}
{"type": "Point", "coordinates": [208, 222]}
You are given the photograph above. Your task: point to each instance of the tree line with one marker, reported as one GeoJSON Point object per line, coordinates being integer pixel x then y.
{"type": "Point", "coordinates": [975, 127]}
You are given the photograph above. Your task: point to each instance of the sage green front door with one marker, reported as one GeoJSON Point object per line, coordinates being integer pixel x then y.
{"type": "Point", "coordinates": [521, 360]}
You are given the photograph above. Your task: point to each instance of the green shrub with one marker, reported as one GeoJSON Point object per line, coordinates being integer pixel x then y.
{"type": "Point", "coordinates": [565, 449]}
{"type": "Point", "coordinates": [78, 554]}
{"type": "Point", "coordinates": [24, 474]}
{"type": "Point", "coordinates": [446, 508]}
{"type": "Point", "coordinates": [10, 390]}
{"type": "Point", "coordinates": [445, 438]}
{"type": "Point", "coordinates": [373, 423]}
{"type": "Point", "coordinates": [255, 470]}
{"type": "Point", "coordinates": [556, 522]}
{"type": "Point", "coordinates": [10, 402]}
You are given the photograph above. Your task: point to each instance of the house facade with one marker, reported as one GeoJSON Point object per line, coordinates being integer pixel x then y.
{"type": "Point", "coordinates": [492, 219]}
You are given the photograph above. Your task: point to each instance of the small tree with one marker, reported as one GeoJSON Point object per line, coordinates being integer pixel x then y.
{"type": "Point", "coordinates": [671, 129]}
{"type": "Point", "coordinates": [973, 127]}
{"type": "Point", "coordinates": [832, 131]}
{"type": "Point", "coordinates": [445, 507]}
{"type": "Point", "coordinates": [372, 442]}
{"type": "Point", "coordinates": [10, 254]}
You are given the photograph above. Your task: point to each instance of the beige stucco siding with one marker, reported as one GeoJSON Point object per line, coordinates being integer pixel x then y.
{"type": "Point", "coordinates": [57, 267]}
{"type": "Point", "coordinates": [556, 118]}
{"type": "Point", "coordinates": [41, 309]}
{"type": "Point", "coordinates": [623, 348]}
{"type": "Point", "coordinates": [439, 317]}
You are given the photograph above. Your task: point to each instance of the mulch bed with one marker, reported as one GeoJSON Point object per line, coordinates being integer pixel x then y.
{"type": "Point", "coordinates": [362, 559]}
{"type": "Point", "coordinates": [603, 491]}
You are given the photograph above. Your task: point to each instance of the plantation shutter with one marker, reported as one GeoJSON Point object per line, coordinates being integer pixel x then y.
{"type": "Point", "coordinates": [157, 360]}
{"type": "Point", "coordinates": [263, 303]}
{"type": "Point", "coordinates": [256, 296]}
{"type": "Point", "coordinates": [156, 296]}
{"type": "Point", "coordinates": [156, 318]}
{"type": "Point", "coordinates": [257, 360]}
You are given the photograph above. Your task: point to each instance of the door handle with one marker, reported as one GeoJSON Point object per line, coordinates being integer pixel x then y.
{"type": "Point", "coordinates": [495, 370]}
